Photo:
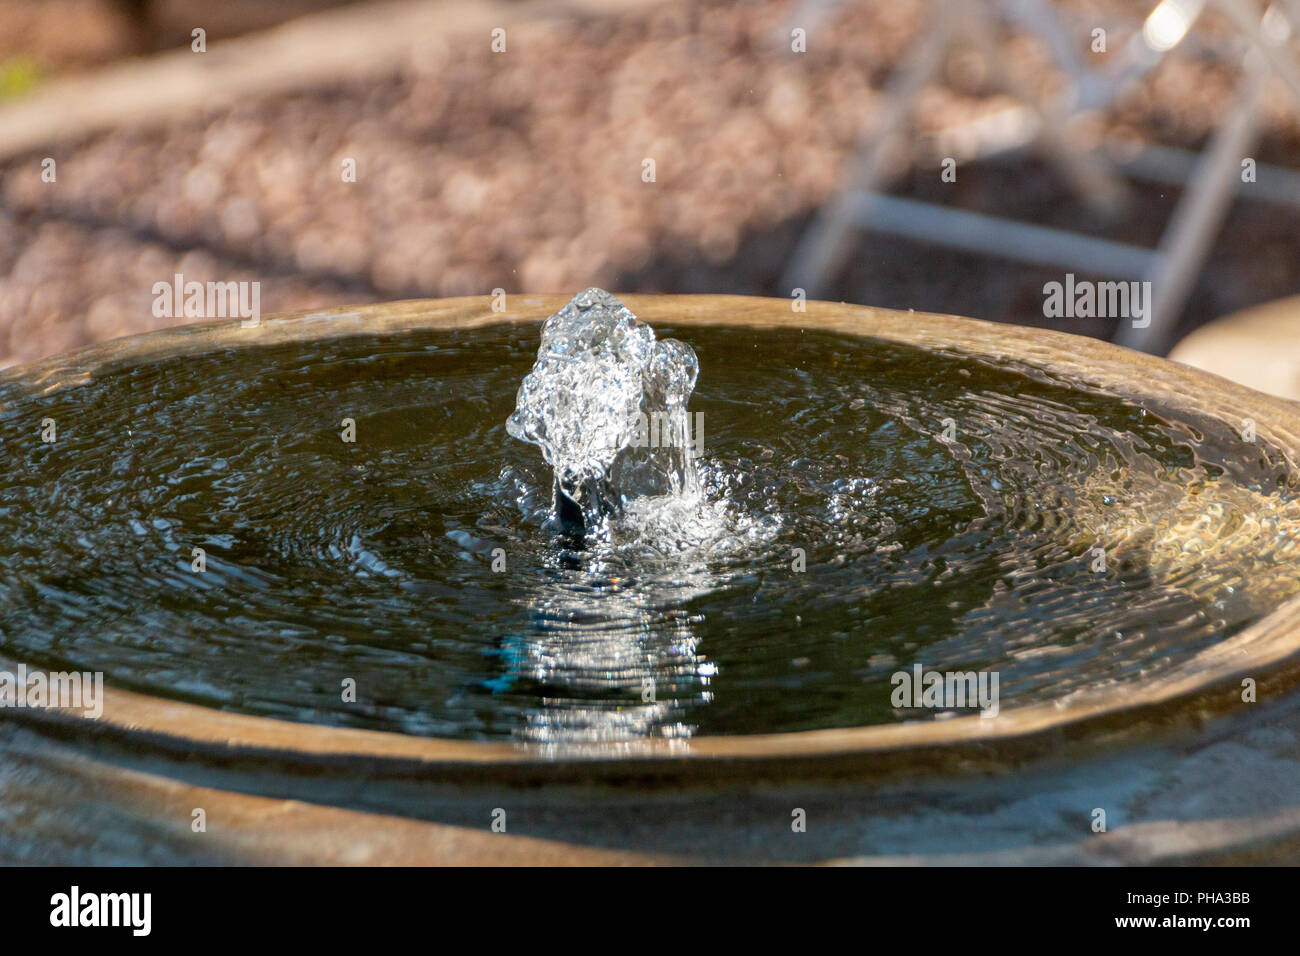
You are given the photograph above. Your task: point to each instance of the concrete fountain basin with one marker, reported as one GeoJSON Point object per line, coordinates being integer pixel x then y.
{"type": "Point", "coordinates": [1020, 787]}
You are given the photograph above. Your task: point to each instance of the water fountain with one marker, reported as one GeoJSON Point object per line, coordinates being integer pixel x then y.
{"type": "Point", "coordinates": [326, 558]}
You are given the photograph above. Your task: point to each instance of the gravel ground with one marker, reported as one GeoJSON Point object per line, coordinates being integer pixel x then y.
{"type": "Point", "coordinates": [523, 171]}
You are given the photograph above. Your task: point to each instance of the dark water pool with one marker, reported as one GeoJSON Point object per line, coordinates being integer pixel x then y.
{"type": "Point", "coordinates": [866, 507]}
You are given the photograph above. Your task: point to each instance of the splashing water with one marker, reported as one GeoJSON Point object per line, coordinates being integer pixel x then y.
{"type": "Point", "coordinates": [606, 403]}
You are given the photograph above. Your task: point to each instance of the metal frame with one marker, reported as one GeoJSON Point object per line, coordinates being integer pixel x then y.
{"type": "Point", "coordinates": [1211, 179]}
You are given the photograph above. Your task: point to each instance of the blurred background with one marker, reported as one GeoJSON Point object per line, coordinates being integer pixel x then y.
{"type": "Point", "coordinates": [767, 121]}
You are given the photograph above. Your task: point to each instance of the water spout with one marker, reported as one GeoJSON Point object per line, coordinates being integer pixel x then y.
{"type": "Point", "coordinates": [606, 403]}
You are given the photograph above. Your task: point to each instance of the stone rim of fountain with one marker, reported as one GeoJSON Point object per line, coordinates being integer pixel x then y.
{"type": "Point", "coordinates": [1203, 686]}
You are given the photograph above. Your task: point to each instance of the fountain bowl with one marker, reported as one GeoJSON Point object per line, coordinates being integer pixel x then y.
{"type": "Point", "coordinates": [339, 788]}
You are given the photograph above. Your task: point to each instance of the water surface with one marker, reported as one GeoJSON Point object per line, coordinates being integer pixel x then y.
{"type": "Point", "coordinates": [864, 507]}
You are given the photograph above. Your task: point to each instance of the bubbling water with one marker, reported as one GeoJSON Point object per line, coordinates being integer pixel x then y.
{"type": "Point", "coordinates": [606, 403]}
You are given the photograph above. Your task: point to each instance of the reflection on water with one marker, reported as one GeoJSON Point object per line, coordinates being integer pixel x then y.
{"type": "Point", "coordinates": [608, 663]}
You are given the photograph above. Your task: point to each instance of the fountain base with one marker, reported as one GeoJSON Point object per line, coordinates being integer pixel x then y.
{"type": "Point", "coordinates": [1156, 755]}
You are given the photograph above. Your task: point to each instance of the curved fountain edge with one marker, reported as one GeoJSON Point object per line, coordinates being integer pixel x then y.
{"type": "Point", "coordinates": [1203, 686]}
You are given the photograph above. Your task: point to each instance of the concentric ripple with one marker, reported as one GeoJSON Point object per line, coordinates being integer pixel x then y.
{"type": "Point", "coordinates": [864, 507]}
